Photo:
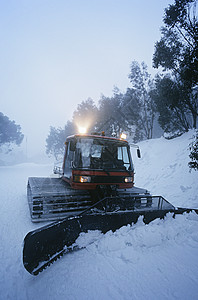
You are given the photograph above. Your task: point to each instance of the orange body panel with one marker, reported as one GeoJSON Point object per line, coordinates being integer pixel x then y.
{"type": "Point", "coordinates": [93, 186]}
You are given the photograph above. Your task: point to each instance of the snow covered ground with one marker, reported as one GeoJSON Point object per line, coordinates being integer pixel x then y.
{"type": "Point", "coordinates": [155, 261]}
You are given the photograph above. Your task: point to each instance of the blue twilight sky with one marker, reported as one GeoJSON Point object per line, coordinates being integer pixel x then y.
{"type": "Point", "coordinates": [56, 53]}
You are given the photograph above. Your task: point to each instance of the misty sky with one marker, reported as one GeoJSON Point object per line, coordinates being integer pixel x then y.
{"type": "Point", "coordinates": [56, 53]}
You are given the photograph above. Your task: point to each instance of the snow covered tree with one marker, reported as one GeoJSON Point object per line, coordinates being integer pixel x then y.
{"type": "Point", "coordinates": [193, 164]}
{"type": "Point", "coordinates": [10, 132]}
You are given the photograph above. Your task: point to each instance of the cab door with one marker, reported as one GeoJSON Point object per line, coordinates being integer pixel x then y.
{"type": "Point", "coordinates": [68, 162]}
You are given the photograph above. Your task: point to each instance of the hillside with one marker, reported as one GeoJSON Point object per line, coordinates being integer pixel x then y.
{"type": "Point", "coordinates": [163, 170]}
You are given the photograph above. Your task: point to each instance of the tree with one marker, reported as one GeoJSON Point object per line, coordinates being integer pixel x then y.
{"type": "Point", "coordinates": [177, 52]}
{"type": "Point", "coordinates": [168, 96]}
{"type": "Point", "coordinates": [55, 142]}
{"type": "Point", "coordinates": [10, 132]}
{"type": "Point", "coordinates": [193, 164]}
{"type": "Point", "coordinates": [131, 110]}
{"type": "Point", "coordinates": [85, 115]}
{"type": "Point", "coordinates": [111, 118]}
{"type": "Point", "coordinates": [139, 102]}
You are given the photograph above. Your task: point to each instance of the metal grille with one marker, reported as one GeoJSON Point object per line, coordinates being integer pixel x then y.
{"type": "Point", "coordinates": [107, 179]}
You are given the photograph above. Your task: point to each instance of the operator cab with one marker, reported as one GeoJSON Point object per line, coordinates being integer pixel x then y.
{"type": "Point", "coordinates": [92, 160]}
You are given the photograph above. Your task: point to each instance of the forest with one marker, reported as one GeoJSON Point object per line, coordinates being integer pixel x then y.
{"type": "Point", "coordinates": [169, 100]}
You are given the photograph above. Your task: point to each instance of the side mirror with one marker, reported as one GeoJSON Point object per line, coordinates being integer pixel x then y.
{"type": "Point", "coordinates": [138, 153]}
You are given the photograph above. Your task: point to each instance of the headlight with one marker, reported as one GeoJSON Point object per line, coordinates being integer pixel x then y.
{"type": "Point", "coordinates": [85, 179]}
{"type": "Point", "coordinates": [128, 179]}
{"type": "Point", "coordinates": [82, 130]}
{"type": "Point", "coordinates": [123, 136]}
{"type": "Point", "coordinates": [82, 179]}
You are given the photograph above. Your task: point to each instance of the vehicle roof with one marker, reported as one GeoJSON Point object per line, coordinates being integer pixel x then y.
{"type": "Point", "coordinates": [96, 136]}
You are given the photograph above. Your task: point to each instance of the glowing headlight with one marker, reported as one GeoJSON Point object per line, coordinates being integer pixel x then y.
{"type": "Point", "coordinates": [85, 179]}
{"type": "Point", "coordinates": [82, 130]}
{"type": "Point", "coordinates": [82, 179]}
{"type": "Point", "coordinates": [123, 136]}
{"type": "Point", "coordinates": [128, 179]}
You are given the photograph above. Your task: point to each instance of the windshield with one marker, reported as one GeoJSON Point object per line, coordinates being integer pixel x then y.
{"type": "Point", "coordinates": [102, 154]}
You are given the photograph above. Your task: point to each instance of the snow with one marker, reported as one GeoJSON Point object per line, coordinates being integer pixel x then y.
{"type": "Point", "coordinates": [154, 261]}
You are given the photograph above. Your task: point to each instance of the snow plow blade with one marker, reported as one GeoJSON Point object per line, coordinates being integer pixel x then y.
{"type": "Point", "coordinates": [44, 245]}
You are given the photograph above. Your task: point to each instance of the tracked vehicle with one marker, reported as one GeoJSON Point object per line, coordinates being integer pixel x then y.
{"type": "Point", "coordinates": [94, 167]}
{"type": "Point", "coordinates": [94, 191]}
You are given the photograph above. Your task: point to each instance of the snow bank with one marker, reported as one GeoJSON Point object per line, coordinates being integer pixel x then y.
{"type": "Point", "coordinates": [163, 170]}
{"type": "Point", "coordinates": [155, 261]}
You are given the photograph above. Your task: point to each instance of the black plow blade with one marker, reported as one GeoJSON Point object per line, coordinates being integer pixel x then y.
{"type": "Point", "coordinates": [44, 245]}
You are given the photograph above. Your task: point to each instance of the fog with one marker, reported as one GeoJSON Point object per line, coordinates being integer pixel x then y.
{"type": "Point", "coordinates": [55, 54]}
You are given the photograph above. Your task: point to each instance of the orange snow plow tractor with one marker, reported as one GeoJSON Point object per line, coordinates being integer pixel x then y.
{"type": "Point", "coordinates": [94, 191]}
{"type": "Point", "coordinates": [93, 167]}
